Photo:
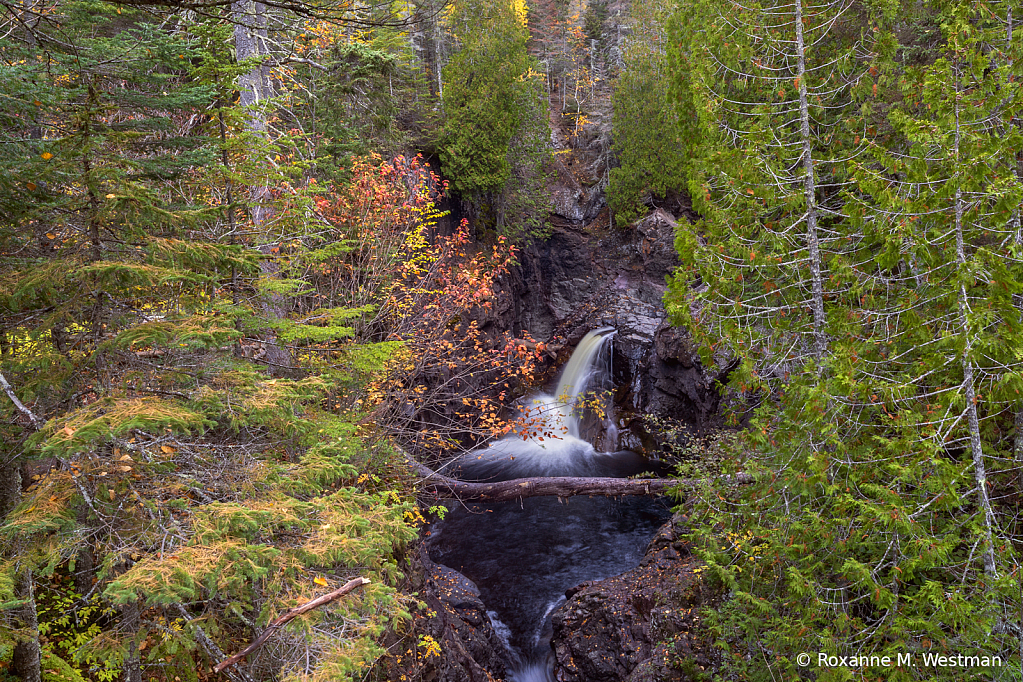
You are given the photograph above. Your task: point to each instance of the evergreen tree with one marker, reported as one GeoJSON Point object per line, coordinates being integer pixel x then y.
{"type": "Point", "coordinates": [131, 293]}
{"type": "Point", "coordinates": [870, 518]}
{"type": "Point", "coordinates": [495, 120]}
{"type": "Point", "coordinates": [650, 142]}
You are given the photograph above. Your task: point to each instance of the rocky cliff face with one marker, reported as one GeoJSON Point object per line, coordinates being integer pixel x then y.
{"type": "Point", "coordinates": [585, 277]}
{"type": "Point", "coordinates": [451, 638]}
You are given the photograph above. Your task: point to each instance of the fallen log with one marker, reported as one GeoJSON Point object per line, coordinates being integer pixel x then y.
{"type": "Point", "coordinates": [289, 615]}
{"type": "Point", "coordinates": [562, 486]}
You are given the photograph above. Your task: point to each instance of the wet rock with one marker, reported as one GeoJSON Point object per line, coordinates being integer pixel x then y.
{"type": "Point", "coordinates": [579, 279]}
{"type": "Point", "coordinates": [657, 244]}
{"type": "Point", "coordinates": [553, 278]}
{"type": "Point", "coordinates": [642, 625]}
{"type": "Point", "coordinates": [572, 199]}
{"type": "Point", "coordinates": [456, 619]}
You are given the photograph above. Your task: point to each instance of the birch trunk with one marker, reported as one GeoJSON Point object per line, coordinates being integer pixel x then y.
{"type": "Point", "coordinates": [256, 90]}
{"type": "Point", "coordinates": [810, 193]}
{"type": "Point", "coordinates": [976, 448]}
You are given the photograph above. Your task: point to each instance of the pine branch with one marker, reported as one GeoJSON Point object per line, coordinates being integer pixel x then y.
{"type": "Point", "coordinates": [37, 423]}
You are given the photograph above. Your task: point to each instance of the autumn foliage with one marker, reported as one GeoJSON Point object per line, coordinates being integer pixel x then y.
{"type": "Point", "coordinates": [444, 382]}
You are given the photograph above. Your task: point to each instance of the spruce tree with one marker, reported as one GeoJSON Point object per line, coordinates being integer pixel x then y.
{"type": "Point", "coordinates": [868, 530]}
{"type": "Point", "coordinates": [650, 142]}
{"type": "Point", "coordinates": [495, 120]}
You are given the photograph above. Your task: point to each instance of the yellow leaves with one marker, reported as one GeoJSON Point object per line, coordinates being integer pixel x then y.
{"type": "Point", "coordinates": [46, 156]}
{"type": "Point", "coordinates": [111, 196]}
{"type": "Point", "coordinates": [321, 581]}
{"type": "Point", "coordinates": [430, 645]}
{"type": "Point", "coordinates": [167, 449]}
{"type": "Point", "coordinates": [68, 431]}
{"type": "Point", "coordinates": [31, 186]}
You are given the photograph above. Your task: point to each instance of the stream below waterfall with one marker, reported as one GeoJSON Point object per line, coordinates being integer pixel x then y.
{"type": "Point", "coordinates": [524, 555]}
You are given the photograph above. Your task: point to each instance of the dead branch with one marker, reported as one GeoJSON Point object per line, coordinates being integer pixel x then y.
{"type": "Point", "coordinates": [211, 648]}
{"type": "Point", "coordinates": [37, 423]}
{"type": "Point", "coordinates": [562, 486]}
{"type": "Point", "coordinates": [289, 615]}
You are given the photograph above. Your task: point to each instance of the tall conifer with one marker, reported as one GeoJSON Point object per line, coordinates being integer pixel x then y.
{"type": "Point", "coordinates": [871, 500]}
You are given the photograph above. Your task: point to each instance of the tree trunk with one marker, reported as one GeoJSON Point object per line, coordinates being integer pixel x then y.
{"type": "Point", "coordinates": [250, 41]}
{"type": "Point", "coordinates": [973, 420]}
{"type": "Point", "coordinates": [131, 670]}
{"type": "Point", "coordinates": [10, 485]}
{"type": "Point", "coordinates": [562, 486]}
{"type": "Point", "coordinates": [25, 662]}
{"type": "Point", "coordinates": [256, 90]}
{"type": "Point", "coordinates": [85, 560]}
{"type": "Point", "coordinates": [810, 194]}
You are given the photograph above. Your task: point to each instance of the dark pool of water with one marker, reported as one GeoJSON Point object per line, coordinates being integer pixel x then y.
{"type": "Point", "coordinates": [524, 555]}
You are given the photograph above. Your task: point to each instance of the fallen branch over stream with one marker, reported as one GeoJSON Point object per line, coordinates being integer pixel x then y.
{"type": "Point", "coordinates": [562, 486]}
{"type": "Point", "coordinates": [288, 615]}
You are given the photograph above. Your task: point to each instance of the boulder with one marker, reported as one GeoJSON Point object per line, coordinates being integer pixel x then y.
{"type": "Point", "coordinates": [642, 625]}
{"type": "Point", "coordinates": [456, 619]}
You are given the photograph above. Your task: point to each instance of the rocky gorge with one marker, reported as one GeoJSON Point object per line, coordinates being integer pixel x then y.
{"type": "Point", "coordinates": [642, 624]}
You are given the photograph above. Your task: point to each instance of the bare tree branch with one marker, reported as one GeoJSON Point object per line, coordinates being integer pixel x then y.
{"type": "Point", "coordinates": [37, 423]}
{"type": "Point", "coordinates": [289, 615]}
{"type": "Point", "coordinates": [211, 648]}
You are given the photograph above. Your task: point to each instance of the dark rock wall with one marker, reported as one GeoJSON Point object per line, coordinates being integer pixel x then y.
{"type": "Point", "coordinates": [456, 619]}
{"type": "Point", "coordinates": [580, 279]}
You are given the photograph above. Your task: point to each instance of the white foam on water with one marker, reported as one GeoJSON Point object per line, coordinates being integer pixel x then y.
{"type": "Point", "coordinates": [550, 444]}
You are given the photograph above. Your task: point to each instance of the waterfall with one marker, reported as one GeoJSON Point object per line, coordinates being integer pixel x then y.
{"type": "Point", "coordinates": [550, 445]}
{"type": "Point", "coordinates": [523, 555]}
{"type": "Point", "coordinates": [576, 376]}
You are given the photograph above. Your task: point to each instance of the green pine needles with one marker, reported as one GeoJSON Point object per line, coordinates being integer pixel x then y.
{"type": "Point", "coordinates": [858, 256]}
{"type": "Point", "coordinates": [496, 142]}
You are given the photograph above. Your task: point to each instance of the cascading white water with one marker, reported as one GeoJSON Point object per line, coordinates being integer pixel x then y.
{"type": "Point", "coordinates": [575, 377]}
{"type": "Point", "coordinates": [549, 443]}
